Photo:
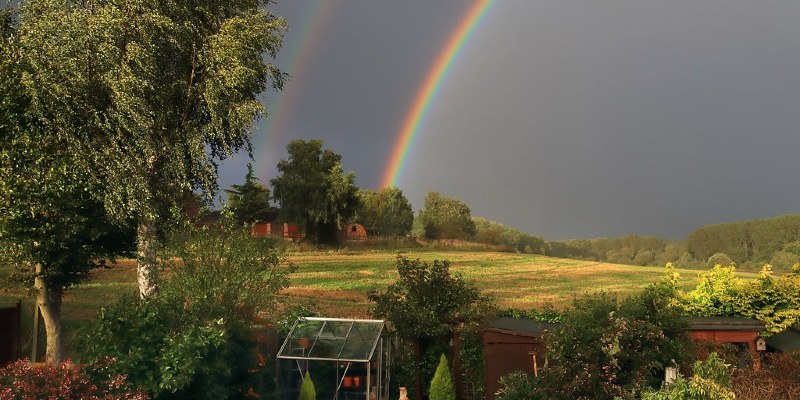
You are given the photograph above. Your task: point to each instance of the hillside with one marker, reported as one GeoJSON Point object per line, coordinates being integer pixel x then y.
{"type": "Point", "coordinates": [336, 284]}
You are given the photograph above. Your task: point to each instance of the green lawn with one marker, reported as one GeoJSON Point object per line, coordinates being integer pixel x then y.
{"type": "Point", "coordinates": [336, 284]}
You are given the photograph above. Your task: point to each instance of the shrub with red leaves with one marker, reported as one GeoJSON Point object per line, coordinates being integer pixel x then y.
{"type": "Point", "coordinates": [65, 381]}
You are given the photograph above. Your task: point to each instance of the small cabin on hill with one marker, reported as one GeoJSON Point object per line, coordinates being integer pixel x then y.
{"type": "Point", "coordinates": [512, 344]}
{"type": "Point", "coordinates": [353, 232]}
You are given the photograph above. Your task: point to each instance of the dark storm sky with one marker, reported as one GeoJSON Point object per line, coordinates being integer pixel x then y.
{"type": "Point", "coordinates": [563, 118]}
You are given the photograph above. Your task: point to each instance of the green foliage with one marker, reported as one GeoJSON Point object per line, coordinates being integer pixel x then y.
{"type": "Point", "coordinates": [196, 339]}
{"type": "Point", "coordinates": [711, 380]}
{"type": "Point", "coordinates": [313, 190]}
{"type": "Point", "coordinates": [773, 300]}
{"type": "Point", "coordinates": [427, 301]}
{"type": "Point", "coordinates": [715, 294]}
{"type": "Point", "coordinates": [148, 94]}
{"type": "Point", "coordinates": [384, 213]}
{"type": "Point", "coordinates": [442, 384]}
{"type": "Point", "coordinates": [517, 386]}
{"type": "Point", "coordinates": [446, 218]}
{"type": "Point", "coordinates": [546, 313]}
{"type": "Point", "coordinates": [605, 349]}
{"type": "Point", "coordinates": [307, 391]}
{"type": "Point", "coordinates": [249, 202]}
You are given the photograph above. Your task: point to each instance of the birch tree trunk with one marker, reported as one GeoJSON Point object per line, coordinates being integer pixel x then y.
{"type": "Point", "coordinates": [49, 302]}
{"type": "Point", "coordinates": [146, 272]}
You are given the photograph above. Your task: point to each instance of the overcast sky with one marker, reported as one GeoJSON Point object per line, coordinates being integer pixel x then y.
{"type": "Point", "coordinates": [563, 118]}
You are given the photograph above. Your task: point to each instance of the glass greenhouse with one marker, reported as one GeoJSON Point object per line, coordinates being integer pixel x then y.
{"type": "Point", "coordinates": [346, 358]}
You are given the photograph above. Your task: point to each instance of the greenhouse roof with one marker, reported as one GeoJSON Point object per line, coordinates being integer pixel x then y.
{"type": "Point", "coordinates": [332, 339]}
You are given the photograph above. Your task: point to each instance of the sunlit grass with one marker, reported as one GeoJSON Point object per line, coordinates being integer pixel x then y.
{"type": "Point", "coordinates": [336, 284]}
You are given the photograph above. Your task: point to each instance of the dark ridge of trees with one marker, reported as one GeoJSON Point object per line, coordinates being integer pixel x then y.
{"type": "Point", "coordinates": [771, 240]}
{"type": "Point", "coordinates": [629, 249]}
{"type": "Point", "coordinates": [495, 233]}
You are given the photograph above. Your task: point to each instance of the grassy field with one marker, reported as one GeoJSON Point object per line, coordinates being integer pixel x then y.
{"type": "Point", "coordinates": [335, 284]}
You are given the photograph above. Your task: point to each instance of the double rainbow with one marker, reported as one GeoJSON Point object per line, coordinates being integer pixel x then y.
{"type": "Point", "coordinates": [426, 93]}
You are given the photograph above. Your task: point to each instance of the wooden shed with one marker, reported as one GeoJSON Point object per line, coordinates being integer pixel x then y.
{"type": "Point", "coordinates": [512, 344]}
{"type": "Point", "coordinates": [741, 332]}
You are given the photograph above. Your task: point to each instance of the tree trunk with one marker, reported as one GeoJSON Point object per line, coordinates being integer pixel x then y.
{"type": "Point", "coordinates": [49, 302]}
{"type": "Point", "coordinates": [146, 272]}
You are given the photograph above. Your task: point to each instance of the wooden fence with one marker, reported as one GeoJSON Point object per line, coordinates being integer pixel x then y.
{"type": "Point", "coordinates": [10, 332]}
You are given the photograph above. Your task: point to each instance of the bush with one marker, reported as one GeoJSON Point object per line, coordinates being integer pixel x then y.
{"type": "Point", "coordinates": [605, 349]}
{"type": "Point", "coordinates": [442, 384]}
{"type": "Point", "coordinates": [721, 259]}
{"type": "Point", "coordinates": [196, 339]}
{"type": "Point", "coordinates": [63, 381]}
{"type": "Point", "coordinates": [711, 380]}
{"type": "Point", "coordinates": [778, 378]}
{"type": "Point", "coordinates": [517, 386]}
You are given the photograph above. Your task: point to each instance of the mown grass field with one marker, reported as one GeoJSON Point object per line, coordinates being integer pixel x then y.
{"type": "Point", "coordinates": [336, 284]}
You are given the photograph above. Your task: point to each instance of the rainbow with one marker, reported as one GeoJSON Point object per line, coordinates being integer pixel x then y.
{"type": "Point", "coordinates": [426, 93]}
{"type": "Point", "coordinates": [296, 60]}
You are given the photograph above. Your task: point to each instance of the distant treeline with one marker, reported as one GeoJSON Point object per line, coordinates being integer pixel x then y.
{"type": "Point", "coordinates": [750, 244]}
{"type": "Point", "coordinates": [774, 241]}
{"type": "Point", "coordinates": [630, 249]}
{"type": "Point", "coordinates": [494, 233]}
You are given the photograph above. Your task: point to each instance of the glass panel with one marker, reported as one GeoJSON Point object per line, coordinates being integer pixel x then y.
{"type": "Point", "coordinates": [349, 340]}
{"type": "Point", "coordinates": [331, 339]}
{"type": "Point", "coordinates": [361, 341]}
{"type": "Point", "coordinates": [300, 339]}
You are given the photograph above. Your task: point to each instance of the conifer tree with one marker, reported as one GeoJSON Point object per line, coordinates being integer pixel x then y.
{"type": "Point", "coordinates": [307, 391]}
{"type": "Point", "coordinates": [442, 384]}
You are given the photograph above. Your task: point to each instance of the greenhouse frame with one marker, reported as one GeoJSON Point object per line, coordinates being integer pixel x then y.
{"type": "Point", "coordinates": [347, 359]}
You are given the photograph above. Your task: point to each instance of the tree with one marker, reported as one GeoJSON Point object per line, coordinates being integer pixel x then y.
{"type": "Point", "coordinates": [313, 190]}
{"type": "Point", "coordinates": [50, 225]}
{"type": "Point", "coordinates": [149, 95]}
{"type": "Point", "coordinates": [249, 202]}
{"type": "Point", "coordinates": [442, 384]}
{"type": "Point", "coordinates": [385, 213]}
{"type": "Point", "coordinates": [196, 340]}
{"type": "Point", "coordinates": [426, 303]}
{"type": "Point", "coordinates": [446, 218]}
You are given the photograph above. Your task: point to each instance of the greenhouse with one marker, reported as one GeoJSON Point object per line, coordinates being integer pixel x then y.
{"type": "Point", "coordinates": [346, 358]}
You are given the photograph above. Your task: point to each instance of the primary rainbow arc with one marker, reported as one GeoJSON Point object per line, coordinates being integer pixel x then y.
{"type": "Point", "coordinates": [426, 93]}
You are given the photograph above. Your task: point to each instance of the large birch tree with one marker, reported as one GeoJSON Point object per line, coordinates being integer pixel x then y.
{"type": "Point", "coordinates": [150, 94]}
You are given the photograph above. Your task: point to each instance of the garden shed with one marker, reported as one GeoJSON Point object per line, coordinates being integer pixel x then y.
{"type": "Point", "coordinates": [743, 333]}
{"type": "Point", "coordinates": [346, 358]}
{"type": "Point", "coordinates": [512, 344]}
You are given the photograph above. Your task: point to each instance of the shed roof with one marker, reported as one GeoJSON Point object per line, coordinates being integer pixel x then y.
{"type": "Point", "coordinates": [522, 325]}
{"type": "Point", "coordinates": [786, 341]}
{"type": "Point", "coordinates": [738, 324]}
{"type": "Point", "coordinates": [333, 339]}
